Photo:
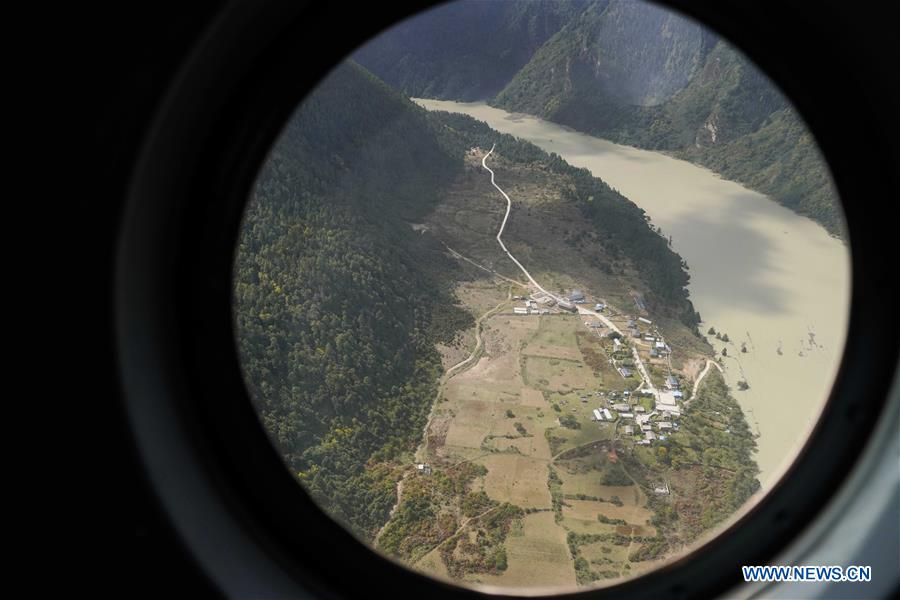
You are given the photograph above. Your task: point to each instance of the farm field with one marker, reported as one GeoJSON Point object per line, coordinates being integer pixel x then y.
{"type": "Point", "coordinates": [505, 414]}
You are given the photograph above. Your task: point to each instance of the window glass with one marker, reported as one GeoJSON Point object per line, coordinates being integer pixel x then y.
{"type": "Point", "coordinates": [539, 296]}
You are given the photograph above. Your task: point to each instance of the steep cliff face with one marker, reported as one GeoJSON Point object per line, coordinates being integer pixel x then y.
{"type": "Point", "coordinates": [621, 52]}
{"type": "Point", "coordinates": [638, 74]}
{"type": "Point", "coordinates": [640, 54]}
{"type": "Point", "coordinates": [465, 50]}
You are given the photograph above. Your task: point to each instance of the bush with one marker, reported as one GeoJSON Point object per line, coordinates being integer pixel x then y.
{"type": "Point", "coordinates": [570, 422]}
{"type": "Point", "coordinates": [604, 519]}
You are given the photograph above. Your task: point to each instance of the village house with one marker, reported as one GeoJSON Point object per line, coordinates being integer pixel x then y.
{"type": "Point", "coordinates": [566, 305]}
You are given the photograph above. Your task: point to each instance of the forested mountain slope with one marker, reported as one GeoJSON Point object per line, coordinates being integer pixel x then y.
{"type": "Point", "coordinates": [336, 297]}
{"type": "Point", "coordinates": [465, 50]}
{"type": "Point", "coordinates": [339, 302]}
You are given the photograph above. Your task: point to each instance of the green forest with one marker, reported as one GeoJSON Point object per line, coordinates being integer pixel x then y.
{"type": "Point", "coordinates": [338, 302]}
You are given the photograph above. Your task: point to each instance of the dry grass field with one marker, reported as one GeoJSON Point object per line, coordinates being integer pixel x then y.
{"type": "Point", "coordinates": [538, 556]}
{"type": "Point", "coordinates": [519, 480]}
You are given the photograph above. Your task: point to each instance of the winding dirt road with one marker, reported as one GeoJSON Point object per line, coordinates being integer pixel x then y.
{"type": "Point", "coordinates": [709, 363]}
{"type": "Point", "coordinates": [503, 226]}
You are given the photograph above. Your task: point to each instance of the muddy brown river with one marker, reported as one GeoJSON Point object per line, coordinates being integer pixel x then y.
{"type": "Point", "coordinates": [767, 277]}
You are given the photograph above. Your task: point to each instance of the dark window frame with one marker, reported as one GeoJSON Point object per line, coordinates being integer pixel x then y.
{"type": "Point", "coordinates": [219, 479]}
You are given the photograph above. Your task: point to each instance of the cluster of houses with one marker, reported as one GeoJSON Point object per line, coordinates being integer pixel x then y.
{"type": "Point", "coordinates": [667, 400]}
{"type": "Point", "coordinates": [652, 426]}
{"type": "Point", "coordinates": [663, 426]}
{"type": "Point", "coordinates": [658, 347]}
{"type": "Point", "coordinates": [655, 425]}
{"type": "Point", "coordinates": [539, 303]}
{"type": "Point", "coordinates": [568, 303]}
{"type": "Point", "coordinates": [531, 308]}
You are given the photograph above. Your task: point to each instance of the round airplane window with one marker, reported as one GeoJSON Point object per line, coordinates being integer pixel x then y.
{"type": "Point", "coordinates": [541, 296]}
